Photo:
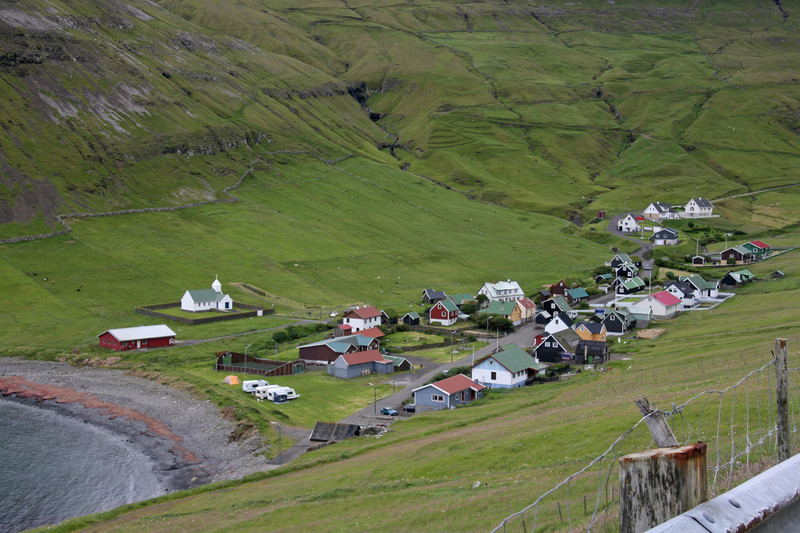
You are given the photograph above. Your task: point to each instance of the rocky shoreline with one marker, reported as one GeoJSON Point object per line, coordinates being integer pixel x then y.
{"type": "Point", "coordinates": [187, 439]}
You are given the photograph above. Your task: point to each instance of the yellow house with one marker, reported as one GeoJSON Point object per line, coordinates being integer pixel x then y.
{"type": "Point", "coordinates": [590, 331]}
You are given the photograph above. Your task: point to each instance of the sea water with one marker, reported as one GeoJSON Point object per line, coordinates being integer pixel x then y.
{"type": "Point", "coordinates": [53, 467]}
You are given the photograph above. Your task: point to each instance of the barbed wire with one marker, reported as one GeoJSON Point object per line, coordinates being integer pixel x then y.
{"type": "Point", "coordinates": [714, 415]}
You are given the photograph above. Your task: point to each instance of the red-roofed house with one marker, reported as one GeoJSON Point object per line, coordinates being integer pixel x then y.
{"type": "Point", "coordinates": [373, 333]}
{"type": "Point", "coordinates": [524, 311]}
{"type": "Point", "coordinates": [362, 318]}
{"type": "Point", "coordinates": [342, 330]}
{"type": "Point", "coordinates": [350, 365]}
{"type": "Point", "coordinates": [447, 393]}
{"type": "Point", "coordinates": [663, 304]}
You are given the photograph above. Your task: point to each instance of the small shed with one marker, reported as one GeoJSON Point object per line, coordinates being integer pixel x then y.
{"type": "Point", "coordinates": [411, 318]}
{"type": "Point", "coordinates": [401, 364]}
{"type": "Point", "coordinates": [351, 365]}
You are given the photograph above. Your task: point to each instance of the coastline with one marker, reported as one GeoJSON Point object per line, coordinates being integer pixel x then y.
{"type": "Point", "coordinates": [187, 439]}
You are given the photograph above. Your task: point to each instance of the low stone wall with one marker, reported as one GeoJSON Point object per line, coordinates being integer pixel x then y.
{"type": "Point", "coordinates": [152, 310]}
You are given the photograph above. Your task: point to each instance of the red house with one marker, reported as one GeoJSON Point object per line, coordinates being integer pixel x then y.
{"type": "Point", "coordinates": [136, 338]}
{"type": "Point", "coordinates": [444, 312]}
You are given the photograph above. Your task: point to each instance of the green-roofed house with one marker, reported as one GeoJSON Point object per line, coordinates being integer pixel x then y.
{"type": "Point", "coordinates": [509, 368]}
{"type": "Point", "coordinates": [736, 278]}
{"type": "Point", "coordinates": [503, 309]}
{"type": "Point", "coordinates": [460, 299]}
{"type": "Point", "coordinates": [411, 318]}
{"type": "Point", "coordinates": [207, 299]}
{"type": "Point", "coordinates": [444, 312]}
{"type": "Point", "coordinates": [400, 363]}
{"type": "Point", "coordinates": [703, 289]}
{"type": "Point", "coordinates": [629, 286]}
{"type": "Point", "coordinates": [578, 294]}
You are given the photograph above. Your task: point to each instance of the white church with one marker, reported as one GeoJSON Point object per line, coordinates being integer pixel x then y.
{"type": "Point", "coordinates": [207, 299]}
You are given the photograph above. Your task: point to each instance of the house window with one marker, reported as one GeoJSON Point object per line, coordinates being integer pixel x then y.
{"type": "Point", "coordinates": [494, 376]}
{"type": "Point", "coordinates": [437, 398]}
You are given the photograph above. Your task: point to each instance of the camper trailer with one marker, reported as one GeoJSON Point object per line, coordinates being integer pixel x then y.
{"type": "Point", "coordinates": [273, 393]}
{"type": "Point", "coordinates": [252, 384]}
{"type": "Point", "coordinates": [290, 393]}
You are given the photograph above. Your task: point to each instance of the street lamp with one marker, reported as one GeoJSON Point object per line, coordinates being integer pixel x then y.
{"type": "Point", "coordinates": [375, 401]}
{"type": "Point", "coordinates": [280, 459]}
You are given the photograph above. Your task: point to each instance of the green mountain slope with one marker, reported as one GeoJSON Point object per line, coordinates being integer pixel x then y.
{"type": "Point", "coordinates": [540, 107]}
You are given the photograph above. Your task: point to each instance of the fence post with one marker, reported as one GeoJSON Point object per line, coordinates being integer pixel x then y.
{"type": "Point", "coordinates": [659, 484]}
{"type": "Point", "coordinates": [782, 399]}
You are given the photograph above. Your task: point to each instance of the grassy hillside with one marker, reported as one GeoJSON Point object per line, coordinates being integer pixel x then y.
{"type": "Point", "coordinates": [543, 108]}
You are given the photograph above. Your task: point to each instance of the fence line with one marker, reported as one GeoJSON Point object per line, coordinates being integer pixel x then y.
{"type": "Point", "coordinates": [739, 452]}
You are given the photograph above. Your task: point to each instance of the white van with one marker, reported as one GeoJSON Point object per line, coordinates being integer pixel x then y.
{"type": "Point", "coordinates": [252, 384]}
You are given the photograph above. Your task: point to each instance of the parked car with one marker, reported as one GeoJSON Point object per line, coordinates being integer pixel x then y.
{"type": "Point", "coordinates": [410, 408]}
{"type": "Point", "coordinates": [388, 411]}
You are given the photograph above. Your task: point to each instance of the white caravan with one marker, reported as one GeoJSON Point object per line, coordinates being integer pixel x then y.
{"type": "Point", "coordinates": [252, 384]}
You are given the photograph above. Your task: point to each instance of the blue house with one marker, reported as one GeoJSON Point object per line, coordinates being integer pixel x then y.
{"type": "Point", "coordinates": [447, 393]}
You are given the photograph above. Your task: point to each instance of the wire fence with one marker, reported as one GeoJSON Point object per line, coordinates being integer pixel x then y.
{"type": "Point", "coordinates": [738, 423]}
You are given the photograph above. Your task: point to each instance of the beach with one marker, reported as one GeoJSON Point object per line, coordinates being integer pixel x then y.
{"type": "Point", "coordinates": [187, 439]}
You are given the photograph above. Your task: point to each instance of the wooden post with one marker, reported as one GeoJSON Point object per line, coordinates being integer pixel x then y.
{"type": "Point", "coordinates": [657, 424]}
{"type": "Point", "coordinates": [657, 485]}
{"type": "Point", "coordinates": [782, 399]}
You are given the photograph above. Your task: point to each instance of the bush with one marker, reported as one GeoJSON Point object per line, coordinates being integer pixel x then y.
{"type": "Point", "coordinates": [280, 336]}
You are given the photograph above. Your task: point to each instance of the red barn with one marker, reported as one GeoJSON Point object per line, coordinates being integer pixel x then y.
{"type": "Point", "coordinates": [135, 338]}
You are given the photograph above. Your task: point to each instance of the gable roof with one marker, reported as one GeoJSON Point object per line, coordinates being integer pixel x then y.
{"type": "Point", "coordinates": [458, 299]}
{"type": "Point", "coordinates": [684, 286]}
{"type": "Point", "coordinates": [434, 294]}
{"type": "Point", "coordinates": [623, 257]}
{"type": "Point", "coordinates": [499, 308]}
{"type": "Point", "coordinates": [205, 295]}
{"type": "Point", "coordinates": [633, 283]}
{"type": "Point", "coordinates": [594, 328]}
{"type": "Point", "coordinates": [702, 202]}
{"type": "Point", "coordinates": [567, 338]}
{"type": "Point", "coordinates": [454, 384]}
{"type": "Point", "coordinates": [578, 293]}
{"type": "Point", "coordinates": [363, 313]}
{"type": "Point", "coordinates": [140, 332]}
{"type": "Point", "coordinates": [526, 303]}
{"type": "Point", "coordinates": [622, 313]}
{"type": "Point", "coordinates": [698, 282]}
{"type": "Point", "coordinates": [741, 275]}
{"type": "Point", "coordinates": [661, 207]}
{"type": "Point", "coordinates": [561, 302]}
{"type": "Point", "coordinates": [564, 317]}
{"type": "Point", "coordinates": [367, 356]}
{"type": "Point", "coordinates": [512, 358]}
{"type": "Point", "coordinates": [760, 244]}
{"type": "Point", "coordinates": [449, 305]}
{"type": "Point", "coordinates": [412, 315]}
{"type": "Point", "coordinates": [665, 233]}
{"type": "Point", "coordinates": [666, 298]}
{"type": "Point", "coordinates": [373, 332]}
{"type": "Point", "coordinates": [494, 288]}
{"type": "Point", "coordinates": [397, 360]}
{"type": "Point", "coordinates": [340, 344]}
{"type": "Point", "coordinates": [591, 347]}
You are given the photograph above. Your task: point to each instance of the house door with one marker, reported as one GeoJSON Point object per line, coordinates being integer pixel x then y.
{"type": "Point", "coordinates": [138, 344]}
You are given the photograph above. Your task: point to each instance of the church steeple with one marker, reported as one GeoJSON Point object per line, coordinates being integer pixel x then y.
{"type": "Point", "coordinates": [217, 286]}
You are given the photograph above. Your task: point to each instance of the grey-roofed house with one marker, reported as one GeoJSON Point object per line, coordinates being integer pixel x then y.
{"type": "Point", "coordinates": [502, 291]}
{"type": "Point", "coordinates": [683, 290]}
{"type": "Point", "coordinates": [592, 352]}
{"type": "Point", "coordinates": [698, 208]}
{"type": "Point", "coordinates": [432, 296]}
{"type": "Point", "coordinates": [665, 237]}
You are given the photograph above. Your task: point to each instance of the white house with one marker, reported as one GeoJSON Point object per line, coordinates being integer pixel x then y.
{"type": "Point", "coordinates": [361, 318]}
{"type": "Point", "coordinates": [207, 299]}
{"type": "Point", "coordinates": [698, 208]}
{"type": "Point", "coordinates": [682, 290]}
{"type": "Point", "coordinates": [629, 224]}
{"type": "Point", "coordinates": [659, 211]}
{"type": "Point", "coordinates": [665, 237]}
{"type": "Point", "coordinates": [663, 304]}
{"type": "Point", "coordinates": [559, 322]}
{"type": "Point", "coordinates": [502, 291]}
{"type": "Point", "coordinates": [507, 369]}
